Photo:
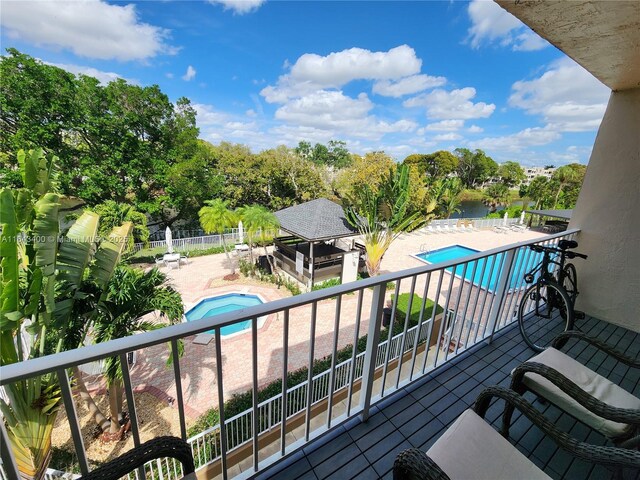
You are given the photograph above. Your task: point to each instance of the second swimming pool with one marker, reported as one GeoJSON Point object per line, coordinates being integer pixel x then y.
{"type": "Point", "coordinates": [491, 265]}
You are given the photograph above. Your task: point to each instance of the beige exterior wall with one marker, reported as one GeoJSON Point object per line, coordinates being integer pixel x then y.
{"type": "Point", "coordinates": [608, 213]}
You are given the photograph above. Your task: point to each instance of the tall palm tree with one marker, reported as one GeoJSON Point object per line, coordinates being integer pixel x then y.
{"type": "Point", "coordinates": [131, 295]}
{"type": "Point", "coordinates": [564, 176]}
{"type": "Point", "coordinates": [216, 217]}
{"type": "Point", "coordinates": [260, 224]}
{"type": "Point", "coordinates": [382, 216]}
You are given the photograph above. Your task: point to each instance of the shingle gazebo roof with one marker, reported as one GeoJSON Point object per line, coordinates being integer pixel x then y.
{"type": "Point", "coordinates": [562, 214]}
{"type": "Point", "coordinates": [315, 220]}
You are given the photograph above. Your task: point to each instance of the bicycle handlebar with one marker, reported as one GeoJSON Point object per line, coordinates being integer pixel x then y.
{"type": "Point", "coordinates": [541, 249]}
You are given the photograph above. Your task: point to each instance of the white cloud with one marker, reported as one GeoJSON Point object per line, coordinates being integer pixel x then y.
{"type": "Point", "coordinates": [529, 41]}
{"type": "Point", "coordinates": [239, 7]}
{"type": "Point", "coordinates": [568, 97]}
{"type": "Point", "coordinates": [475, 129]}
{"type": "Point", "coordinates": [169, 75]}
{"type": "Point", "coordinates": [445, 125]}
{"type": "Point", "coordinates": [190, 74]}
{"type": "Point", "coordinates": [407, 85]}
{"type": "Point", "coordinates": [88, 28]}
{"type": "Point", "coordinates": [334, 112]}
{"type": "Point", "coordinates": [490, 23]}
{"type": "Point", "coordinates": [103, 77]}
{"type": "Point", "coordinates": [207, 115]}
{"type": "Point", "coordinates": [447, 137]}
{"type": "Point", "coordinates": [517, 142]}
{"type": "Point", "coordinates": [454, 104]}
{"type": "Point", "coordinates": [312, 72]}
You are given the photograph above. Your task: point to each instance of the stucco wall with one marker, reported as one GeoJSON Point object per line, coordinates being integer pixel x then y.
{"type": "Point", "coordinates": [608, 213]}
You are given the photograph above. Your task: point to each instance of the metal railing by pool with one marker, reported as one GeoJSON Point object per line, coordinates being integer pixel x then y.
{"type": "Point", "coordinates": [472, 313]}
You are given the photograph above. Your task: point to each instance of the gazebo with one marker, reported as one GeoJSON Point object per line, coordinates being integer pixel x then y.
{"type": "Point", "coordinates": [560, 219]}
{"type": "Point", "coordinates": [313, 251]}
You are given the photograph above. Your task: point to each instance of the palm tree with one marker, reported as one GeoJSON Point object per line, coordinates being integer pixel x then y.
{"type": "Point", "coordinates": [217, 218]}
{"type": "Point", "coordinates": [450, 193]}
{"type": "Point", "coordinates": [382, 216]}
{"type": "Point", "coordinates": [131, 295]}
{"type": "Point", "coordinates": [495, 195]}
{"type": "Point", "coordinates": [564, 176]}
{"type": "Point", "coordinates": [260, 224]}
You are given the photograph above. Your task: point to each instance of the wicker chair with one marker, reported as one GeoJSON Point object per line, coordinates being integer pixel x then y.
{"type": "Point", "coordinates": [581, 392]}
{"type": "Point", "coordinates": [161, 447]}
{"type": "Point", "coordinates": [470, 448]}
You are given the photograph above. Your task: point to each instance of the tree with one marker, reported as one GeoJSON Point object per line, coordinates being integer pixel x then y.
{"type": "Point", "coordinates": [511, 174]}
{"type": "Point", "coordinates": [381, 216]}
{"type": "Point", "coordinates": [113, 214]}
{"type": "Point", "coordinates": [216, 217]}
{"type": "Point", "coordinates": [435, 165]}
{"type": "Point", "coordinates": [495, 195]}
{"type": "Point", "coordinates": [259, 223]}
{"type": "Point", "coordinates": [116, 142]}
{"type": "Point", "coordinates": [339, 156]}
{"type": "Point", "coordinates": [449, 195]}
{"type": "Point", "coordinates": [567, 176]}
{"type": "Point", "coordinates": [538, 191]}
{"type": "Point", "coordinates": [475, 167]}
{"type": "Point", "coordinates": [45, 289]}
{"type": "Point", "coordinates": [289, 179]}
{"type": "Point", "coordinates": [368, 170]}
{"type": "Point", "coordinates": [130, 297]}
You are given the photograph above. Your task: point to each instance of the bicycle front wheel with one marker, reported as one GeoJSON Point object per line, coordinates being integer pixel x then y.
{"type": "Point", "coordinates": [545, 311]}
{"type": "Point", "coordinates": [570, 282]}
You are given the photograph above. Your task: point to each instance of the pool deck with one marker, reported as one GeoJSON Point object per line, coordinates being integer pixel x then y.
{"type": "Point", "coordinates": [202, 277]}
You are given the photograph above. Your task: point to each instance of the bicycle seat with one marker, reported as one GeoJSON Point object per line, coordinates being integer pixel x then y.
{"type": "Point", "coordinates": [564, 244]}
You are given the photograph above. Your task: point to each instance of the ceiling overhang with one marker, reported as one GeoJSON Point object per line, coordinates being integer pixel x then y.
{"type": "Point", "coordinates": [602, 36]}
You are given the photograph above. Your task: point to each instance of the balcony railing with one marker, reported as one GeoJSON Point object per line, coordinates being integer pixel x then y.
{"type": "Point", "coordinates": [478, 295]}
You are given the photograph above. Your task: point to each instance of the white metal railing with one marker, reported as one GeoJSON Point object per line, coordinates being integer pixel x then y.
{"type": "Point", "coordinates": [201, 242]}
{"type": "Point", "coordinates": [479, 293]}
{"type": "Point", "coordinates": [478, 223]}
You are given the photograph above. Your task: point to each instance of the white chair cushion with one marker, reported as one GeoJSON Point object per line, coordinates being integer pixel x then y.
{"type": "Point", "coordinates": [589, 381]}
{"type": "Point", "coordinates": [472, 449]}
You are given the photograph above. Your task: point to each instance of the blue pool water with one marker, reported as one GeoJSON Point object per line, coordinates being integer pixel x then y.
{"type": "Point", "coordinates": [494, 264]}
{"type": "Point", "coordinates": [223, 304]}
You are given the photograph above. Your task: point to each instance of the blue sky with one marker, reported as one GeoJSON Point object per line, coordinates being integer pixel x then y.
{"type": "Point", "coordinates": [403, 77]}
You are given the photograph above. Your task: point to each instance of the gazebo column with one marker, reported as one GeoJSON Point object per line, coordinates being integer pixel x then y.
{"type": "Point", "coordinates": [311, 269]}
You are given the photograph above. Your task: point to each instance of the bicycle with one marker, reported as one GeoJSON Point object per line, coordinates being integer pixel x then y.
{"type": "Point", "coordinates": [549, 302]}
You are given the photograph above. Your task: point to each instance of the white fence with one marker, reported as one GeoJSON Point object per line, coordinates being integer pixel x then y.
{"type": "Point", "coordinates": [452, 223]}
{"type": "Point", "coordinates": [231, 237]}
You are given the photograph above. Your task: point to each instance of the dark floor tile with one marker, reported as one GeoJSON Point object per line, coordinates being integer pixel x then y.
{"type": "Point", "coordinates": [383, 446]}
{"type": "Point", "coordinates": [374, 436]}
{"type": "Point", "coordinates": [336, 461]}
{"type": "Point", "coordinates": [414, 413]}
{"type": "Point", "coordinates": [320, 455]}
{"type": "Point", "coordinates": [385, 463]}
{"type": "Point", "coordinates": [434, 396]}
{"type": "Point", "coordinates": [349, 470]}
{"type": "Point", "coordinates": [295, 470]}
{"type": "Point", "coordinates": [450, 414]}
{"type": "Point", "coordinates": [364, 428]}
{"type": "Point", "coordinates": [426, 433]}
{"type": "Point", "coordinates": [367, 474]}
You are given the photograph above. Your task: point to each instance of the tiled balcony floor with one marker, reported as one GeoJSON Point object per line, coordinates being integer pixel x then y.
{"type": "Point", "coordinates": [418, 414]}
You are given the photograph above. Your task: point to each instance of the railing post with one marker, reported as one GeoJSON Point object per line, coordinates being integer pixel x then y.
{"type": "Point", "coordinates": [373, 338]}
{"type": "Point", "coordinates": [502, 288]}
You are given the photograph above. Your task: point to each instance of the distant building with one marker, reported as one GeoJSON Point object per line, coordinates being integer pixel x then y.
{"type": "Point", "coordinates": [533, 172]}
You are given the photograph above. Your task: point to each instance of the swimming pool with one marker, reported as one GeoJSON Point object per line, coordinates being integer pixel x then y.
{"type": "Point", "coordinates": [228, 302]}
{"type": "Point", "coordinates": [494, 264]}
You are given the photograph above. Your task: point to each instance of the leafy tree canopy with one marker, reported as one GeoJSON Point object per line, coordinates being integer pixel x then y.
{"type": "Point", "coordinates": [511, 174]}
{"type": "Point", "coordinates": [434, 165]}
{"type": "Point", "coordinates": [475, 167]}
